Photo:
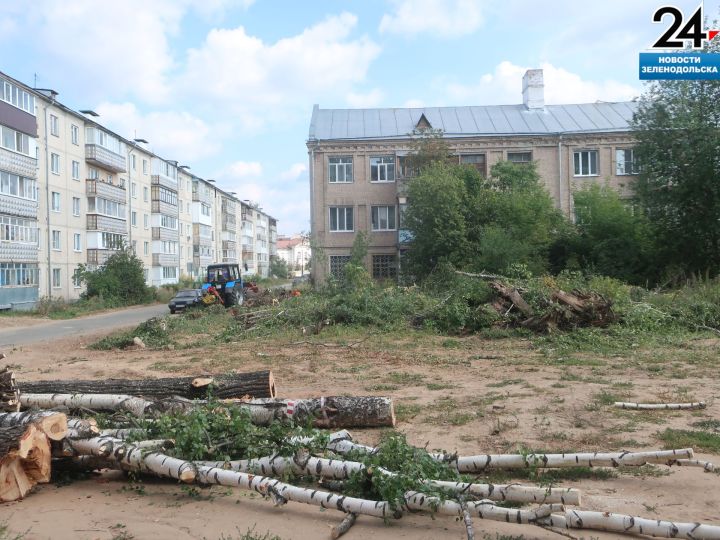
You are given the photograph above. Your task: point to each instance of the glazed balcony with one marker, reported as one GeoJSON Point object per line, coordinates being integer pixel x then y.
{"type": "Point", "coordinates": [97, 188]}
{"type": "Point", "coordinates": [104, 158]}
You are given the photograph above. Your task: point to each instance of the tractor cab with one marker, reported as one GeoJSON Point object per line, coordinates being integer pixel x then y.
{"type": "Point", "coordinates": [226, 281]}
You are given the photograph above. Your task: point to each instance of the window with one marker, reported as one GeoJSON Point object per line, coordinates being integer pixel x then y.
{"type": "Point", "coordinates": [14, 95]}
{"type": "Point", "coordinates": [98, 205]}
{"type": "Point", "coordinates": [75, 170]}
{"type": "Point", "coordinates": [56, 278]}
{"type": "Point", "coordinates": [341, 219]}
{"type": "Point", "coordinates": [74, 134]}
{"type": "Point", "coordinates": [55, 163]}
{"type": "Point", "coordinates": [383, 218]}
{"type": "Point", "coordinates": [133, 190]}
{"type": "Point", "coordinates": [160, 193]}
{"type": "Point", "coordinates": [54, 125]}
{"type": "Point", "coordinates": [146, 221]}
{"type": "Point", "coordinates": [145, 166]}
{"type": "Point", "coordinates": [519, 157]}
{"type": "Point", "coordinates": [20, 230]}
{"type": "Point", "coordinates": [337, 265]}
{"type": "Point", "coordinates": [169, 248]}
{"type": "Point", "coordinates": [18, 186]}
{"type": "Point", "coordinates": [586, 163]}
{"type": "Point", "coordinates": [339, 170]}
{"type": "Point", "coordinates": [16, 141]}
{"type": "Point", "coordinates": [77, 279]}
{"type": "Point", "coordinates": [146, 193]}
{"type": "Point", "coordinates": [146, 248]}
{"type": "Point", "coordinates": [476, 160]}
{"type": "Point", "coordinates": [169, 272]}
{"type": "Point", "coordinates": [168, 222]}
{"type": "Point", "coordinates": [76, 206]}
{"type": "Point", "coordinates": [56, 240]}
{"type": "Point", "coordinates": [382, 169]}
{"type": "Point", "coordinates": [55, 201]}
{"type": "Point", "coordinates": [134, 246]}
{"type": "Point", "coordinates": [15, 274]}
{"type": "Point", "coordinates": [187, 207]}
{"type": "Point", "coordinates": [625, 161]}
{"type": "Point", "coordinates": [77, 242]}
{"type": "Point", "coordinates": [133, 162]}
{"type": "Point", "coordinates": [112, 241]}
{"type": "Point", "coordinates": [384, 267]}
{"type": "Point", "coordinates": [205, 209]}
{"type": "Point", "coordinates": [133, 218]}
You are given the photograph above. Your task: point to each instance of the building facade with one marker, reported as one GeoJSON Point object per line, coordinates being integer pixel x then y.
{"type": "Point", "coordinates": [73, 192]}
{"type": "Point", "coordinates": [295, 251]}
{"type": "Point", "coordinates": [358, 174]}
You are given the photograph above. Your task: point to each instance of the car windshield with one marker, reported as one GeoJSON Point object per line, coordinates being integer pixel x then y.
{"type": "Point", "coordinates": [185, 294]}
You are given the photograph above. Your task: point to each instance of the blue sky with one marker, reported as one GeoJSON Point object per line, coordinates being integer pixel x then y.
{"type": "Point", "coordinates": [227, 86]}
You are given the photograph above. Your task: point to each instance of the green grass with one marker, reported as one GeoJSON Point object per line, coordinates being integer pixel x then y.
{"type": "Point", "coordinates": [697, 440]}
{"type": "Point", "coordinates": [406, 411]}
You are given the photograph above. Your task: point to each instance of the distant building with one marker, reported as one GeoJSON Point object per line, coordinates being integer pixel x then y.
{"type": "Point", "coordinates": [358, 174]}
{"type": "Point", "coordinates": [295, 251]}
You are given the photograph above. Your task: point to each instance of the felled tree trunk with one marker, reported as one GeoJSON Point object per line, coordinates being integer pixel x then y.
{"type": "Point", "coordinates": [53, 424]}
{"type": "Point", "coordinates": [104, 402]}
{"type": "Point", "coordinates": [660, 406]}
{"type": "Point", "coordinates": [259, 384]}
{"type": "Point", "coordinates": [620, 523]}
{"type": "Point", "coordinates": [9, 393]}
{"type": "Point", "coordinates": [24, 460]}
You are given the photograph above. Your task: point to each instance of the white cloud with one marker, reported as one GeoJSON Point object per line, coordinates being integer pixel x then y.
{"type": "Point", "coordinates": [259, 81]}
{"type": "Point", "coordinates": [294, 172]}
{"type": "Point", "coordinates": [172, 134]}
{"type": "Point", "coordinates": [413, 104]}
{"type": "Point", "coordinates": [241, 169]}
{"type": "Point", "coordinates": [504, 86]}
{"type": "Point", "coordinates": [373, 98]}
{"type": "Point", "coordinates": [444, 18]}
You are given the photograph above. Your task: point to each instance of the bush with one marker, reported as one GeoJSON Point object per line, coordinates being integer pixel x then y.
{"type": "Point", "coordinates": [121, 280]}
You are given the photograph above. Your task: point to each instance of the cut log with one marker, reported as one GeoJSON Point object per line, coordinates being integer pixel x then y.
{"type": "Point", "coordinates": [24, 460]}
{"type": "Point", "coordinates": [660, 406]}
{"type": "Point", "coordinates": [9, 393]}
{"type": "Point", "coordinates": [52, 423]}
{"type": "Point", "coordinates": [620, 523]}
{"type": "Point", "coordinates": [14, 482]}
{"type": "Point", "coordinates": [513, 295]}
{"type": "Point", "coordinates": [708, 466]}
{"type": "Point", "coordinates": [105, 402]}
{"type": "Point", "coordinates": [259, 384]}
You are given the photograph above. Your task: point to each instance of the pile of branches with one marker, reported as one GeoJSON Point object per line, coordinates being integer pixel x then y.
{"type": "Point", "coordinates": [265, 297]}
{"type": "Point", "coordinates": [274, 446]}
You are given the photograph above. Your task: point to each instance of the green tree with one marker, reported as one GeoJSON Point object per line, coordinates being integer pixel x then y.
{"type": "Point", "coordinates": [279, 268]}
{"type": "Point", "coordinates": [611, 239]}
{"type": "Point", "coordinates": [120, 280]}
{"type": "Point", "coordinates": [678, 131]}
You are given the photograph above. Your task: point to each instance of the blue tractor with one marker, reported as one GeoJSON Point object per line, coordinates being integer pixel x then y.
{"type": "Point", "coordinates": [226, 281]}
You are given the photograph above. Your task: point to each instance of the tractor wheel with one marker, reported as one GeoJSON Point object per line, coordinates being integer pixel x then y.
{"type": "Point", "coordinates": [230, 299]}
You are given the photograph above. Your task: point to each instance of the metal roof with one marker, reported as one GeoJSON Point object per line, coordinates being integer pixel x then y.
{"type": "Point", "coordinates": [333, 124]}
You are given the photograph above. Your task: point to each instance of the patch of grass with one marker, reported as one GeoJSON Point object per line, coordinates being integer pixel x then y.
{"type": "Point", "coordinates": [709, 425]}
{"type": "Point", "coordinates": [644, 471]}
{"type": "Point", "coordinates": [439, 386]}
{"type": "Point", "coordinates": [381, 387]}
{"type": "Point", "coordinates": [7, 534]}
{"type": "Point", "coordinates": [250, 534]}
{"type": "Point", "coordinates": [403, 377]}
{"type": "Point", "coordinates": [505, 382]}
{"type": "Point", "coordinates": [452, 344]}
{"type": "Point", "coordinates": [698, 440]}
{"type": "Point", "coordinates": [406, 411]}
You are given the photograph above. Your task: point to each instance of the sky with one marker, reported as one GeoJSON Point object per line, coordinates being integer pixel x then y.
{"type": "Point", "coordinates": [228, 86]}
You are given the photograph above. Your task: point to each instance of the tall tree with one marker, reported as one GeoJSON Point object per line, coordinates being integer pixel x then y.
{"type": "Point", "coordinates": [678, 131]}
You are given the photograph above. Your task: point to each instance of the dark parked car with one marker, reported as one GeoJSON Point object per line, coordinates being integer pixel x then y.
{"type": "Point", "coordinates": [185, 298]}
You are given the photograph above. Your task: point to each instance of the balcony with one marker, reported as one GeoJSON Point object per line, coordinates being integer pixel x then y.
{"type": "Point", "coordinates": [201, 195]}
{"type": "Point", "coordinates": [161, 233]}
{"type": "Point", "coordinates": [18, 207]}
{"type": "Point", "coordinates": [98, 188]}
{"type": "Point", "coordinates": [96, 222]}
{"type": "Point", "coordinates": [229, 244]}
{"type": "Point", "coordinates": [99, 256]}
{"type": "Point", "coordinates": [161, 207]}
{"type": "Point", "coordinates": [165, 259]}
{"type": "Point", "coordinates": [102, 157]}
{"type": "Point", "coordinates": [164, 181]}
{"type": "Point", "coordinates": [229, 224]}
{"type": "Point", "coordinates": [228, 207]}
{"type": "Point", "coordinates": [248, 248]}
{"type": "Point", "coordinates": [18, 164]}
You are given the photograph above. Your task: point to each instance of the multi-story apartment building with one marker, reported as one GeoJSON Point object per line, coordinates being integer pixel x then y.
{"type": "Point", "coordinates": [19, 271]}
{"type": "Point", "coordinates": [358, 172]}
{"type": "Point", "coordinates": [73, 192]}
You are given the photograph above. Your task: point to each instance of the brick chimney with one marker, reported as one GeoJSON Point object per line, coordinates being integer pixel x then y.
{"type": "Point", "coordinates": [533, 89]}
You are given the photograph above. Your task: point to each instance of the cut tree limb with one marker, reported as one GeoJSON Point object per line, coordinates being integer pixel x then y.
{"type": "Point", "coordinates": [9, 393]}
{"type": "Point", "coordinates": [659, 406]}
{"type": "Point", "coordinates": [344, 526]}
{"type": "Point", "coordinates": [53, 424]}
{"type": "Point", "coordinates": [620, 523]}
{"type": "Point", "coordinates": [259, 384]}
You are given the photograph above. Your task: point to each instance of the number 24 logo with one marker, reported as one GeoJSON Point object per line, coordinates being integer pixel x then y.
{"type": "Point", "coordinates": [692, 30]}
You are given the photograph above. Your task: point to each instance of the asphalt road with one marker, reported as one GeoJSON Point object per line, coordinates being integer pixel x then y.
{"type": "Point", "coordinates": [77, 327]}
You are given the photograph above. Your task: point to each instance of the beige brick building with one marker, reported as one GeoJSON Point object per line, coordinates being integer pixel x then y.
{"type": "Point", "coordinates": [358, 175]}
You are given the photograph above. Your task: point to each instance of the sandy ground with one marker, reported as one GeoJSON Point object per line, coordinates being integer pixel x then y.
{"type": "Point", "coordinates": [463, 394]}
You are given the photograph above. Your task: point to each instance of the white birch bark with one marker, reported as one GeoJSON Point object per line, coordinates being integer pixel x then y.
{"type": "Point", "coordinates": [660, 406]}
{"type": "Point", "coordinates": [54, 424]}
{"type": "Point", "coordinates": [99, 402]}
{"type": "Point", "coordinates": [83, 428]}
{"type": "Point", "coordinates": [137, 459]}
{"type": "Point", "coordinates": [620, 523]}
{"type": "Point", "coordinates": [96, 446]}
{"type": "Point", "coordinates": [707, 465]}
{"type": "Point", "coordinates": [483, 509]}
{"type": "Point", "coordinates": [278, 466]}
{"type": "Point", "coordinates": [122, 433]}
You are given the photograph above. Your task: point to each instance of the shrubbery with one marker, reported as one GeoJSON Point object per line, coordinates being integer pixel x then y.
{"type": "Point", "coordinates": [121, 280]}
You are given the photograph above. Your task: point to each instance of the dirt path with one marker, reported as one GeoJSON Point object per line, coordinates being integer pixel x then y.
{"type": "Point", "coordinates": [467, 395]}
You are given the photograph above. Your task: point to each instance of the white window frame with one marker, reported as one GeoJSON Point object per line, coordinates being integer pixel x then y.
{"type": "Point", "coordinates": [339, 166]}
{"type": "Point", "coordinates": [517, 152]}
{"type": "Point", "coordinates": [74, 134]}
{"type": "Point", "coordinates": [133, 190]}
{"type": "Point", "coordinates": [56, 283]}
{"type": "Point", "coordinates": [75, 170]}
{"type": "Point", "coordinates": [346, 210]}
{"type": "Point", "coordinates": [76, 206]}
{"type": "Point", "coordinates": [56, 240]}
{"type": "Point", "coordinates": [146, 248]}
{"type": "Point", "coordinates": [621, 163]}
{"type": "Point", "coordinates": [583, 155]}
{"type": "Point", "coordinates": [133, 218]}
{"type": "Point", "coordinates": [146, 221]}
{"type": "Point", "coordinates": [77, 243]}
{"type": "Point", "coordinates": [54, 125]}
{"type": "Point", "coordinates": [385, 168]}
{"type": "Point", "coordinates": [55, 163]}
{"type": "Point", "coordinates": [55, 201]}
{"type": "Point", "coordinates": [379, 211]}
{"type": "Point", "coordinates": [146, 193]}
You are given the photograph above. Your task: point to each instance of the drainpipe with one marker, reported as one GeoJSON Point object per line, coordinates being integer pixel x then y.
{"type": "Point", "coordinates": [47, 199]}
{"type": "Point", "coordinates": [311, 173]}
{"type": "Point", "coordinates": [560, 175]}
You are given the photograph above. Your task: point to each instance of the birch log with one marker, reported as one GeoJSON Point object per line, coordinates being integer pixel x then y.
{"type": "Point", "coordinates": [24, 460]}
{"type": "Point", "coordinates": [278, 466]}
{"type": "Point", "coordinates": [9, 393]}
{"type": "Point", "coordinates": [660, 406]}
{"type": "Point", "coordinates": [52, 423]}
{"type": "Point", "coordinates": [344, 526]}
{"type": "Point", "coordinates": [708, 466]}
{"type": "Point", "coordinates": [259, 384]}
{"type": "Point", "coordinates": [103, 402]}
{"type": "Point", "coordinates": [620, 523]}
